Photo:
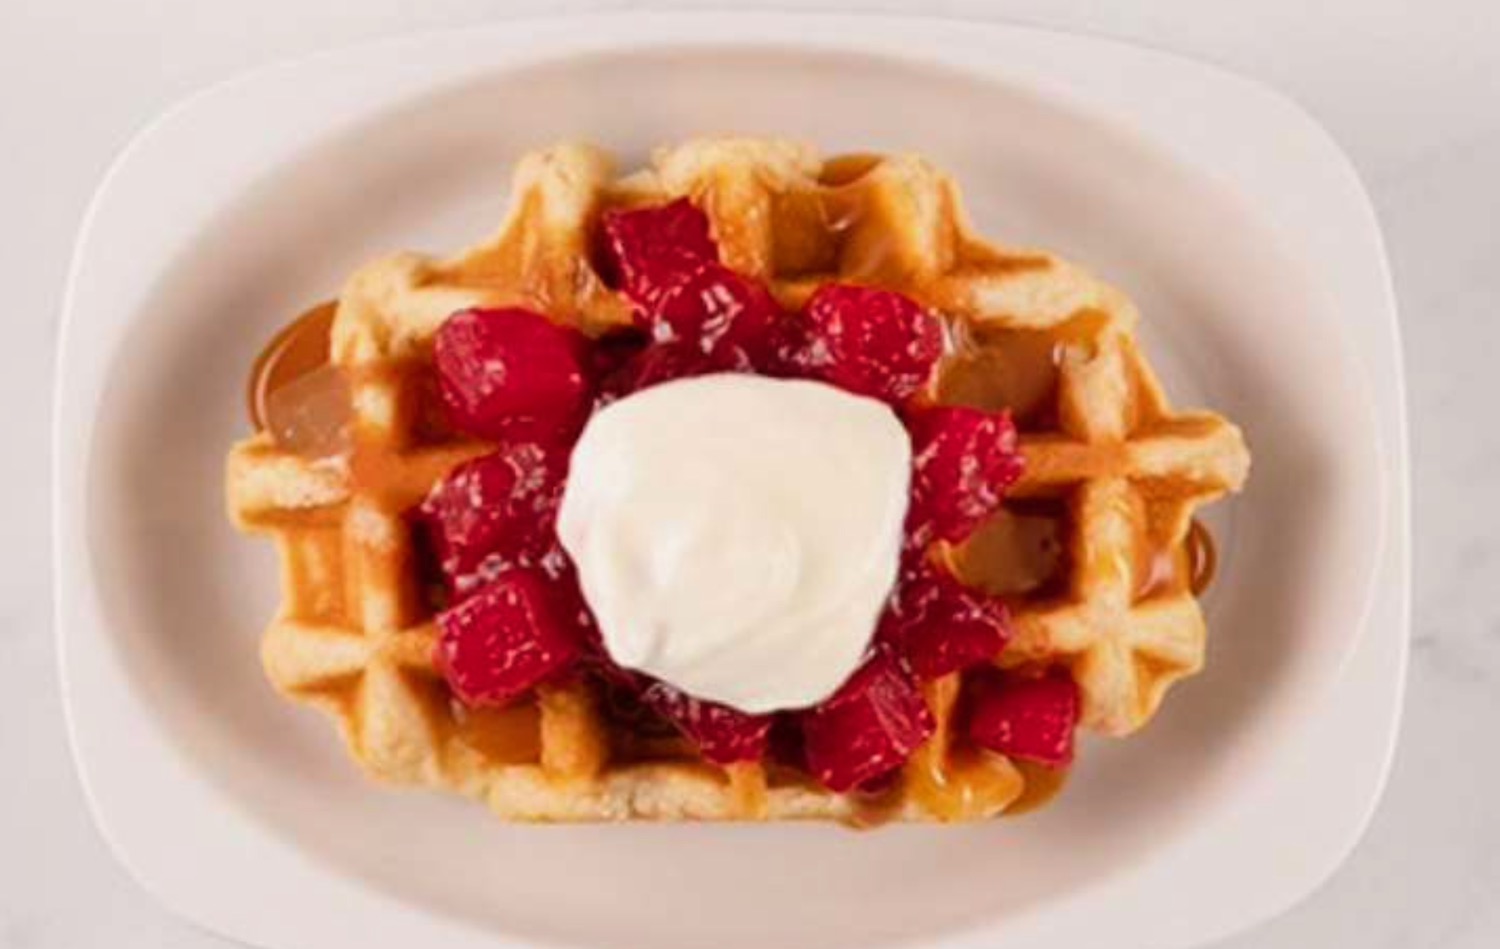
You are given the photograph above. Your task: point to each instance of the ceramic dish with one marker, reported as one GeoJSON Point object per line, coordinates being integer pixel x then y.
{"type": "Point", "coordinates": [1228, 215]}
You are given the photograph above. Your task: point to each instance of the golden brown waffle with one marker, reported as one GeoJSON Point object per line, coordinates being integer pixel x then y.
{"type": "Point", "coordinates": [1093, 553]}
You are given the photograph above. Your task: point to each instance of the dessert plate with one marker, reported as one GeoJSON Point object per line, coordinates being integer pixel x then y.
{"type": "Point", "coordinates": [1235, 223]}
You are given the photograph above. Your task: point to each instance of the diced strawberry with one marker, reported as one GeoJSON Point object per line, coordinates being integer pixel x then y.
{"type": "Point", "coordinates": [723, 735]}
{"type": "Point", "coordinates": [963, 460]}
{"type": "Point", "coordinates": [785, 744]}
{"type": "Point", "coordinates": [648, 251]}
{"type": "Point", "coordinates": [714, 309]}
{"type": "Point", "coordinates": [501, 642]}
{"type": "Point", "coordinates": [867, 341]}
{"type": "Point", "coordinates": [651, 366]}
{"type": "Point", "coordinates": [625, 712]}
{"type": "Point", "coordinates": [788, 347]}
{"type": "Point", "coordinates": [939, 625]}
{"type": "Point", "coordinates": [665, 362]}
{"type": "Point", "coordinates": [614, 350]}
{"type": "Point", "coordinates": [879, 784]}
{"type": "Point", "coordinates": [496, 512]}
{"type": "Point", "coordinates": [870, 726]}
{"type": "Point", "coordinates": [666, 262]}
{"type": "Point", "coordinates": [1032, 718]}
{"type": "Point", "coordinates": [511, 370]}
{"type": "Point", "coordinates": [567, 595]}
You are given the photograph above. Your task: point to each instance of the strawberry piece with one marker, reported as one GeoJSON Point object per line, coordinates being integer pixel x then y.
{"type": "Point", "coordinates": [668, 361]}
{"type": "Point", "coordinates": [869, 727]}
{"type": "Point", "coordinates": [1028, 718]}
{"type": "Point", "coordinates": [867, 341]}
{"type": "Point", "coordinates": [625, 712]}
{"type": "Point", "coordinates": [785, 744]}
{"type": "Point", "coordinates": [496, 512]}
{"type": "Point", "coordinates": [501, 642]}
{"type": "Point", "coordinates": [939, 625]}
{"type": "Point", "coordinates": [651, 366]}
{"type": "Point", "coordinates": [714, 309]}
{"type": "Point", "coordinates": [788, 349]}
{"type": "Point", "coordinates": [963, 460]}
{"type": "Point", "coordinates": [648, 251]}
{"type": "Point", "coordinates": [668, 265]}
{"type": "Point", "coordinates": [611, 352]}
{"type": "Point", "coordinates": [723, 735]}
{"type": "Point", "coordinates": [509, 370]}
{"type": "Point", "coordinates": [567, 597]}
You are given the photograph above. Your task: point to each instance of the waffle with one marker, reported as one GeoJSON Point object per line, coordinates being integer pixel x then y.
{"type": "Point", "coordinates": [1102, 518]}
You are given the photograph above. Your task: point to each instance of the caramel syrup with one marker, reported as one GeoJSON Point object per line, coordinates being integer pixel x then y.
{"type": "Point", "coordinates": [1203, 558]}
{"type": "Point", "coordinates": [952, 780]}
{"type": "Point", "coordinates": [1191, 566]}
{"type": "Point", "coordinates": [510, 735]}
{"type": "Point", "coordinates": [296, 350]}
{"type": "Point", "coordinates": [841, 170]}
{"type": "Point", "coordinates": [748, 788]}
{"type": "Point", "coordinates": [1018, 550]}
{"type": "Point", "coordinates": [1021, 550]}
{"type": "Point", "coordinates": [996, 367]}
{"type": "Point", "coordinates": [811, 227]}
{"type": "Point", "coordinates": [964, 784]}
{"type": "Point", "coordinates": [1042, 785]}
{"type": "Point", "coordinates": [295, 394]}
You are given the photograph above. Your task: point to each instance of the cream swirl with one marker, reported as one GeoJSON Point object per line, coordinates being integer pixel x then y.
{"type": "Point", "coordinates": [737, 536]}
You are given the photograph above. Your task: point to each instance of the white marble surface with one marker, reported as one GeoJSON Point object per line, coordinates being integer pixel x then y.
{"type": "Point", "coordinates": [1411, 89]}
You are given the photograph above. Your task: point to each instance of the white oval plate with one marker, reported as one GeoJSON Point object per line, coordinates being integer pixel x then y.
{"type": "Point", "coordinates": [1231, 218]}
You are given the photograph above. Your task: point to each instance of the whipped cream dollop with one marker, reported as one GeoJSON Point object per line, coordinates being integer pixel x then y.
{"type": "Point", "coordinates": [737, 536]}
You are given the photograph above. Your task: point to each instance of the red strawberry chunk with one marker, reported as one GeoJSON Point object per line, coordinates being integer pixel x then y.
{"type": "Point", "coordinates": [939, 625]}
{"type": "Point", "coordinates": [509, 370]}
{"type": "Point", "coordinates": [714, 309]}
{"type": "Point", "coordinates": [785, 744]}
{"type": "Point", "coordinates": [868, 341]}
{"type": "Point", "coordinates": [1028, 718]}
{"type": "Point", "coordinates": [789, 349]}
{"type": "Point", "coordinates": [665, 362]}
{"type": "Point", "coordinates": [500, 643]}
{"type": "Point", "coordinates": [648, 251]}
{"type": "Point", "coordinates": [567, 598]}
{"type": "Point", "coordinates": [613, 351]}
{"type": "Point", "coordinates": [963, 460]}
{"type": "Point", "coordinates": [723, 735]}
{"type": "Point", "coordinates": [869, 727]}
{"type": "Point", "coordinates": [496, 512]}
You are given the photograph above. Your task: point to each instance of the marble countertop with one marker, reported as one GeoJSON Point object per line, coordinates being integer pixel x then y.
{"type": "Point", "coordinates": [1411, 90]}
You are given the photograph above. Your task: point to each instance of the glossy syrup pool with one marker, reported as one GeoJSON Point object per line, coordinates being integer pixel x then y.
{"type": "Point", "coordinates": [510, 735]}
{"type": "Point", "coordinates": [295, 394]}
{"type": "Point", "coordinates": [1020, 550]}
{"type": "Point", "coordinates": [1008, 367]}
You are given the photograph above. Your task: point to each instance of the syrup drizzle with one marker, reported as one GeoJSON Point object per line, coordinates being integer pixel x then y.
{"type": "Point", "coordinates": [1018, 550]}
{"type": "Point", "coordinates": [510, 735]}
{"type": "Point", "coordinates": [296, 350]}
{"type": "Point", "coordinates": [1190, 566]}
{"type": "Point", "coordinates": [1000, 367]}
{"type": "Point", "coordinates": [1203, 558]}
{"type": "Point", "coordinates": [296, 394]}
{"type": "Point", "coordinates": [1042, 784]}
